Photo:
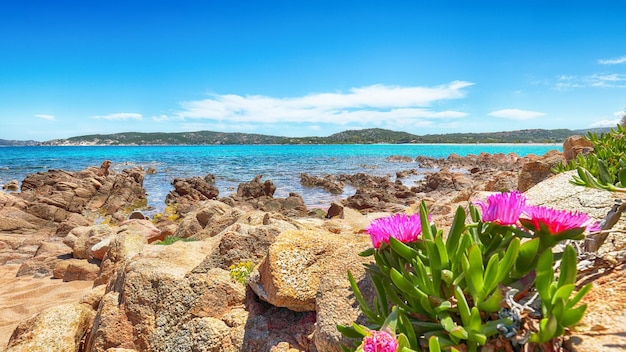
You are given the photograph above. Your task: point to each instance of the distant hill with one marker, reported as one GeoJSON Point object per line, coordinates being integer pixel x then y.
{"type": "Point", "coordinates": [364, 136]}
{"type": "Point", "coordinates": [14, 143]}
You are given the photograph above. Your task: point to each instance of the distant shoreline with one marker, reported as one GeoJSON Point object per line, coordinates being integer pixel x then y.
{"type": "Point", "coordinates": [560, 144]}
{"type": "Point", "coordinates": [358, 137]}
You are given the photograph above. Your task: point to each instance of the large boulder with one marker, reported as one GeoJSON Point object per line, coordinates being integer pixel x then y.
{"type": "Point", "coordinates": [55, 194]}
{"type": "Point", "coordinates": [207, 220]}
{"type": "Point", "coordinates": [537, 169]}
{"type": "Point", "coordinates": [82, 239]}
{"type": "Point", "coordinates": [155, 302]}
{"type": "Point", "coordinates": [188, 191]}
{"type": "Point", "coordinates": [257, 195]}
{"type": "Point", "coordinates": [335, 302]}
{"type": "Point", "coordinates": [377, 193]}
{"type": "Point", "coordinates": [247, 240]}
{"type": "Point", "coordinates": [60, 328]}
{"type": "Point", "coordinates": [575, 145]}
{"type": "Point", "coordinates": [290, 274]}
{"type": "Point", "coordinates": [120, 250]}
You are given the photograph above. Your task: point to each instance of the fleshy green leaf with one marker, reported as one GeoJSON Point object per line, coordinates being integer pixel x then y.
{"type": "Point", "coordinates": [622, 178]}
{"type": "Point", "coordinates": [573, 315]}
{"type": "Point", "coordinates": [506, 264]}
{"type": "Point", "coordinates": [475, 320]}
{"type": "Point", "coordinates": [545, 275]}
{"type": "Point", "coordinates": [433, 344]}
{"type": "Point", "coordinates": [408, 329]}
{"type": "Point", "coordinates": [526, 257]}
{"type": "Point", "coordinates": [581, 293]}
{"type": "Point", "coordinates": [568, 271]}
{"type": "Point", "coordinates": [562, 293]}
{"type": "Point", "coordinates": [405, 285]}
{"type": "Point", "coordinates": [491, 274]}
{"type": "Point", "coordinates": [365, 308]}
{"type": "Point", "coordinates": [349, 332]}
{"type": "Point", "coordinates": [402, 249]}
{"type": "Point", "coordinates": [458, 227]}
{"type": "Point", "coordinates": [366, 253]}
{"type": "Point", "coordinates": [492, 303]}
{"type": "Point", "coordinates": [459, 333]}
{"type": "Point", "coordinates": [426, 230]}
{"type": "Point", "coordinates": [463, 307]}
{"type": "Point", "coordinates": [604, 173]}
{"type": "Point", "coordinates": [473, 269]}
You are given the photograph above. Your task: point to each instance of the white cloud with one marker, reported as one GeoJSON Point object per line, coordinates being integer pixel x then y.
{"type": "Point", "coordinates": [119, 116]}
{"type": "Point", "coordinates": [46, 117]}
{"type": "Point", "coordinates": [605, 123]}
{"type": "Point", "coordinates": [615, 61]}
{"type": "Point", "coordinates": [516, 114]}
{"type": "Point", "coordinates": [359, 105]}
{"type": "Point", "coordinates": [604, 80]}
{"type": "Point", "coordinates": [607, 80]}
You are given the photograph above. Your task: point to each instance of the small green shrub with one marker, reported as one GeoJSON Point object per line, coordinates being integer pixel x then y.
{"type": "Point", "coordinates": [241, 271]}
{"type": "Point", "coordinates": [605, 168]}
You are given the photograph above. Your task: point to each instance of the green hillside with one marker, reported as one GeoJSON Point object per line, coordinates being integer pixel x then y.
{"type": "Point", "coordinates": [364, 136]}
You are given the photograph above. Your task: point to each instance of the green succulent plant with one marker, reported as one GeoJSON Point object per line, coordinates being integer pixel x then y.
{"type": "Point", "coordinates": [483, 282]}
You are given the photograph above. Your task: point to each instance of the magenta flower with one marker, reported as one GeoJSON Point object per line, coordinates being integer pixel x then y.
{"type": "Point", "coordinates": [503, 208]}
{"type": "Point", "coordinates": [400, 226]}
{"type": "Point", "coordinates": [379, 341]}
{"type": "Point", "coordinates": [559, 220]}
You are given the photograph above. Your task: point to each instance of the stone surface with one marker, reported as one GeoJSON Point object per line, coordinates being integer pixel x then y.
{"type": "Point", "coordinates": [155, 302]}
{"type": "Point", "coordinates": [207, 220]}
{"type": "Point", "coordinates": [290, 274]}
{"type": "Point", "coordinates": [537, 169]}
{"type": "Point", "coordinates": [76, 269]}
{"type": "Point", "coordinates": [60, 328]}
{"type": "Point", "coordinates": [335, 302]}
{"type": "Point", "coordinates": [557, 192]}
{"type": "Point", "coordinates": [574, 145]}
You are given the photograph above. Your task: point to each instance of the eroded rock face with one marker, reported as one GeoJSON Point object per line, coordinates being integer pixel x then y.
{"type": "Point", "coordinates": [192, 190]}
{"type": "Point", "coordinates": [537, 169]}
{"type": "Point", "coordinates": [290, 274]}
{"type": "Point", "coordinates": [377, 193]}
{"type": "Point", "coordinates": [559, 193]}
{"type": "Point", "coordinates": [207, 220]}
{"type": "Point", "coordinates": [154, 302]}
{"type": "Point", "coordinates": [257, 195]}
{"type": "Point", "coordinates": [51, 204]}
{"type": "Point", "coordinates": [575, 145]}
{"type": "Point", "coordinates": [59, 328]}
{"type": "Point", "coordinates": [327, 182]}
{"type": "Point", "coordinates": [54, 194]}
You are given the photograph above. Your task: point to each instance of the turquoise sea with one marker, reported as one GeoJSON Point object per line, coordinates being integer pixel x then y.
{"type": "Point", "coordinates": [232, 164]}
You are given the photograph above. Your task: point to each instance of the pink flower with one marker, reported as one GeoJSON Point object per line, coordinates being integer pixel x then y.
{"type": "Point", "coordinates": [559, 220]}
{"type": "Point", "coordinates": [400, 226]}
{"type": "Point", "coordinates": [379, 341]}
{"type": "Point", "coordinates": [503, 208]}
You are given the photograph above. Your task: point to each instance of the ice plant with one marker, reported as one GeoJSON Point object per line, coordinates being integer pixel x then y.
{"type": "Point", "coordinates": [463, 291]}
{"type": "Point", "coordinates": [402, 227]}
{"type": "Point", "coordinates": [557, 221]}
{"type": "Point", "coordinates": [379, 341]}
{"type": "Point", "coordinates": [503, 208]}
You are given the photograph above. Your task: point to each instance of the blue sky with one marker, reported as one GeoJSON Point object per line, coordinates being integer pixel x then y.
{"type": "Point", "coordinates": [308, 68]}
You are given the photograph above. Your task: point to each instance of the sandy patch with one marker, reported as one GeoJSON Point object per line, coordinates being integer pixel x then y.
{"type": "Point", "coordinates": [23, 297]}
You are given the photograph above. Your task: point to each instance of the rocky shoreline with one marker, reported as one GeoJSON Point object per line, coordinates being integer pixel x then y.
{"type": "Point", "coordinates": [87, 226]}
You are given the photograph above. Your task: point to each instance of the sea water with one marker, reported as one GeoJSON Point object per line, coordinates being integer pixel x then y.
{"type": "Point", "coordinates": [233, 164]}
